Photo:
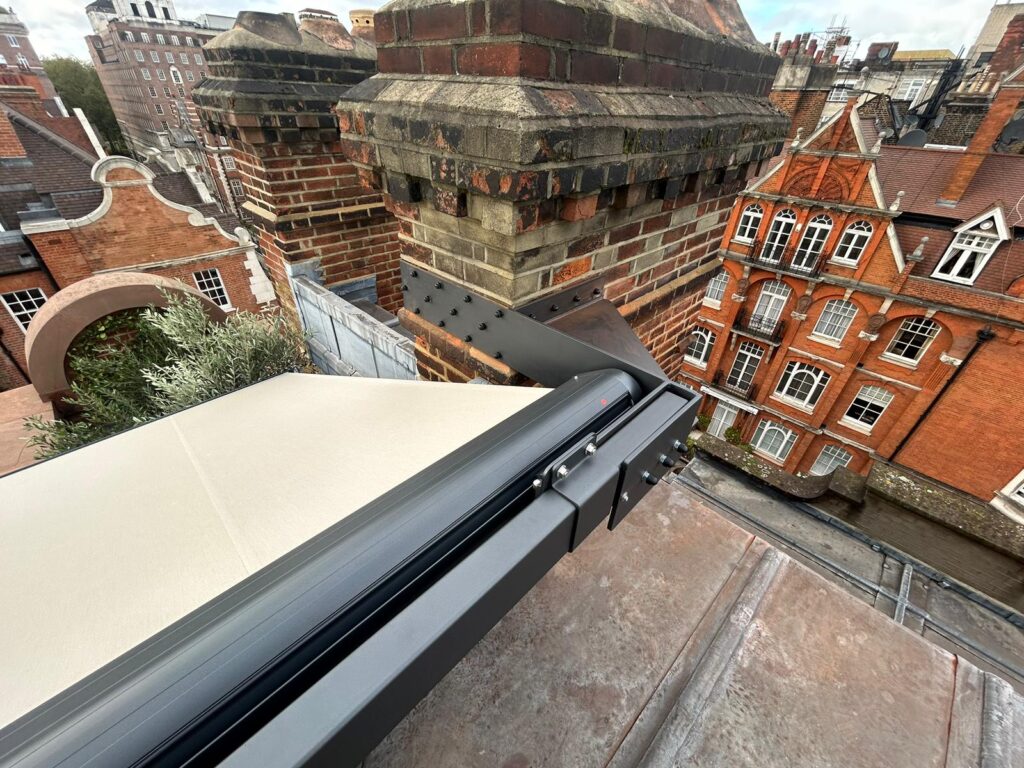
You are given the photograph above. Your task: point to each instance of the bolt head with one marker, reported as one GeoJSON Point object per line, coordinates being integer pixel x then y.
{"type": "Point", "coordinates": [562, 471]}
{"type": "Point", "coordinates": [498, 313]}
{"type": "Point", "coordinates": [415, 273]}
{"type": "Point", "coordinates": [538, 483]}
{"type": "Point", "coordinates": [439, 285]}
{"type": "Point", "coordinates": [467, 298]}
{"type": "Point", "coordinates": [482, 326]}
{"type": "Point", "coordinates": [591, 449]}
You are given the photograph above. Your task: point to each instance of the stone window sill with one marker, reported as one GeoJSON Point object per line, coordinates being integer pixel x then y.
{"type": "Point", "coordinates": [856, 426]}
{"type": "Point", "coordinates": [828, 342]}
{"type": "Point", "coordinates": [796, 404]}
{"type": "Point", "coordinates": [902, 362]}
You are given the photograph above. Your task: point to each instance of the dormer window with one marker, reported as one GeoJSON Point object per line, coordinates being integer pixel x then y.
{"type": "Point", "coordinates": [971, 249]}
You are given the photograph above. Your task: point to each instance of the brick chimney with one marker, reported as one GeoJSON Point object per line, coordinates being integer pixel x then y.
{"type": "Point", "coordinates": [532, 146]}
{"type": "Point", "coordinates": [1009, 54]}
{"type": "Point", "coordinates": [362, 24]}
{"type": "Point", "coordinates": [270, 90]}
{"type": "Point", "coordinates": [1002, 109]}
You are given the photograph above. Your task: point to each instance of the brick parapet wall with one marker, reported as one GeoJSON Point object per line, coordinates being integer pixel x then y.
{"type": "Point", "coordinates": [544, 149]}
{"type": "Point", "coordinates": [271, 89]}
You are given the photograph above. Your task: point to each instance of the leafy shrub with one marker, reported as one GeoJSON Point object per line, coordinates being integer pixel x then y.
{"type": "Point", "coordinates": [144, 364]}
{"type": "Point", "coordinates": [703, 420]}
{"type": "Point", "coordinates": [732, 435]}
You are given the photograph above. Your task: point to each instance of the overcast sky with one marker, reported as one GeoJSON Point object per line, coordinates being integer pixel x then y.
{"type": "Point", "coordinates": [58, 26]}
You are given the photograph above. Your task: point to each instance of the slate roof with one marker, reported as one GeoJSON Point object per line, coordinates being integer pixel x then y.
{"type": "Point", "coordinates": [11, 252]}
{"type": "Point", "coordinates": [923, 174]}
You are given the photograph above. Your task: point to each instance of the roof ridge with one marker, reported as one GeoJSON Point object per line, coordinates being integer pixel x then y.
{"type": "Point", "coordinates": [54, 138]}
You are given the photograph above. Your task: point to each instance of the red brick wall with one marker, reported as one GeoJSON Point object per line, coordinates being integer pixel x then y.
{"type": "Point", "coordinates": [10, 144]}
{"type": "Point", "coordinates": [11, 333]}
{"type": "Point", "coordinates": [979, 408]}
{"type": "Point", "coordinates": [804, 107]}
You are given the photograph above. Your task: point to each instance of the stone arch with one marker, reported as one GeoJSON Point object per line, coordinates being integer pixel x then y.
{"type": "Point", "coordinates": [70, 311]}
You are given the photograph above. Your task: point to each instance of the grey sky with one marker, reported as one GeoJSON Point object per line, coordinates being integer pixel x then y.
{"type": "Point", "coordinates": [58, 26]}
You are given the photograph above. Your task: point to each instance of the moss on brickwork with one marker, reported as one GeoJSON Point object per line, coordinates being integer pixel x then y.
{"type": "Point", "coordinates": [958, 511]}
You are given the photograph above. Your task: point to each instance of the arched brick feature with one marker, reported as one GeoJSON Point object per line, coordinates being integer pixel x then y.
{"type": "Point", "coordinates": [70, 311]}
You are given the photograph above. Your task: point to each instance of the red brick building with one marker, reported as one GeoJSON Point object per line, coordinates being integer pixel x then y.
{"type": "Point", "coordinates": [66, 214]}
{"type": "Point", "coordinates": [17, 53]}
{"type": "Point", "coordinates": [870, 309]}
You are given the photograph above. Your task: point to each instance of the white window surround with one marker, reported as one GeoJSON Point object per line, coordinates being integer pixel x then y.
{"type": "Point", "coordinates": [813, 242]}
{"type": "Point", "coordinates": [155, 56]}
{"type": "Point", "coordinates": [145, 37]}
{"type": "Point", "coordinates": [978, 238]}
{"type": "Point", "coordinates": [722, 418]}
{"type": "Point", "coordinates": [852, 244]}
{"type": "Point", "coordinates": [834, 321]}
{"type": "Point", "coordinates": [867, 408]}
{"type": "Point", "coordinates": [745, 365]}
{"type": "Point", "coordinates": [13, 41]}
{"type": "Point", "coordinates": [915, 335]}
{"type": "Point", "coordinates": [750, 223]}
{"type": "Point", "coordinates": [698, 352]}
{"type": "Point", "coordinates": [211, 284]}
{"type": "Point", "coordinates": [781, 231]}
{"type": "Point", "coordinates": [23, 60]}
{"type": "Point", "coordinates": [716, 290]}
{"type": "Point", "coordinates": [773, 441]}
{"type": "Point", "coordinates": [1010, 500]}
{"type": "Point", "coordinates": [801, 384]}
{"type": "Point", "coordinates": [23, 304]}
{"type": "Point", "coordinates": [830, 458]}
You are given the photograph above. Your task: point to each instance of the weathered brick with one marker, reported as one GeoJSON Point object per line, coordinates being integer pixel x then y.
{"type": "Point", "coordinates": [439, 22]}
{"type": "Point", "coordinates": [437, 60]}
{"type": "Point", "coordinates": [398, 60]}
{"type": "Point", "coordinates": [594, 68]}
{"type": "Point", "coordinates": [579, 208]}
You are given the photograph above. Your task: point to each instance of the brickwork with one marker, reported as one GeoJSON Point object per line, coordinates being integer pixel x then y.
{"type": "Point", "coordinates": [12, 335]}
{"type": "Point", "coordinates": [10, 144]}
{"type": "Point", "coordinates": [524, 171]}
{"type": "Point", "coordinates": [803, 107]}
{"type": "Point", "coordinates": [954, 388]}
{"type": "Point", "coordinates": [309, 205]}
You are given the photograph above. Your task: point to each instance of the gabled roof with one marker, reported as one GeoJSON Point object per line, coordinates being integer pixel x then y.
{"type": "Point", "coordinates": [923, 173]}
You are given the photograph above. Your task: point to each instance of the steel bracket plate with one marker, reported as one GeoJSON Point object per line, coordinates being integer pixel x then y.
{"type": "Point", "coordinates": [538, 351]}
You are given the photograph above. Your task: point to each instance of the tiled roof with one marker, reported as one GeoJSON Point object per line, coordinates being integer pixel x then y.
{"type": "Point", "coordinates": [924, 173]}
{"type": "Point", "coordinates": [177, 188]}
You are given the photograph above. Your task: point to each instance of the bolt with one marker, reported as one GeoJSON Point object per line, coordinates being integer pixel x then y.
{"type": "Point", "coordinates": [597, 291]}
{"type": "Point", "coordinates": [467, 337]}
{"type": "Point", "coordinates": [426, 299]}
{"type": "Point", "coordinates": [650, 479]}
{"type": "Point", "coordinates": [537, 484]}
{"type": "Point", "coordinates": [415, 273]}
{"type": "Point", "coordinates": [665, 461]}
{"type": "Point", "coordinates": [467, 298]}
{"type": "Point", "coordinates": [576, 299]}
{"type": "Point", "coordinates": [439, 285]}
{"type": "Point", "coordinates": [453, 311]}
{"type": "Point", "coordinates": [532, 316]}
{"type": "Point", "coordinates": [405, 287]}
{"type": "Point", "coordinates": [482, 326]}
{"type": "Point", "coordinates": [498, 355]}
{"type": "Point", "coordinates": [498, 313]}
{"type": "Point", "coordinates": [562, 471]}
{"type": "Point", "coordinates": [591, 449]}
{"type": "Point", "coordinates": [416, 311]}
{"type": "Point", "coordinates": [440, 323]}
{"type": "Point", "coordinates": [554, 307]}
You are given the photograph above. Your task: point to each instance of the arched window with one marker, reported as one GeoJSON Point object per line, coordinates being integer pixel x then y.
{"type": "Point", "coordinates": [716, 288]}
{"type": "Point", "coordinates": [853, 242]}
{"type": "Point", "coordinates": [774, 440]}
{"type": "Point", "coordinates": [768, 310]}
{"type": "Point", "coordinates": [150, 10]}
{"type": "Point", "coordinates": [831, 458]}
{"type": "Point", "coordinates": [802, 383]}
{"type": "Point", "coordinates": [812, 243]}
{"type": "Point", "coordinates": [778, 236]}
{"type": "Point", "coordinates": [835, 319]}
{"type": "Point", "coordinates": [700, 346]}
{"type": "Point", "coordinates": [912, 339]}
{"type": "Point", "coordinates": [750, 223]}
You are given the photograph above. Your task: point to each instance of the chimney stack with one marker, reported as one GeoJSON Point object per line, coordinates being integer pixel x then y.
{"type": "Point", "coordinates": [362, 24]}
{"type": "Point", "coordinates": [1005, 104]}
{"type": "Point", "coordinates": [775, 41]}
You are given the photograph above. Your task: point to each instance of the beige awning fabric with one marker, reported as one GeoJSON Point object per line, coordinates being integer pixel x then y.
{"type": "Point", "coordinates": [103, 547]}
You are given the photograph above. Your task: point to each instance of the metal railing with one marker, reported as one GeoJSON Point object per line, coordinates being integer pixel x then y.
{"type": "Point", "coordinates": [783, 259]}
{"type": "Point", "coordinates": [763, 327]}
{"type": "Point", "coordinates": [748, 392]}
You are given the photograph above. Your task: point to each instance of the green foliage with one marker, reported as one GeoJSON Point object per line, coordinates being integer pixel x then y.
{"type": "Point", "coordinates": [703, 420]}
{"type": "Point", "coordinates": [138, 366]}
{"type": "Point", "coordinates": [79, 86]}
{"type": "Point", "coordinates": [732, 435]}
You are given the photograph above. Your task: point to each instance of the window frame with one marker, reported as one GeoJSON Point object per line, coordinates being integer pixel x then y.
{"type": "Point", "coordinates": [210, 283]}
{"type": "Point", "coordinates": [753, 354]}
{"type": "Point", "coordinates": [795, 374]}
{"type": "Point", "coordinates": [961, 250]}
{"type": "Point", "coordinates": [812, 243]}
{"type": "Point", "coordinates": [750, 222]}
{"type": "Point", "coordinates": [905, 327]}
{"type": "Point", "coordinates": [705, 338]}
{"type": "Point", "coordinates": [851, 240]}
{"type": "Point", "coordinates": [12, 40]}
{"type": "Point", "coordinates": [825, 320]}
{"type": "Point", "coordinates": [719, 280]}
{"type": "Point", "coordinates": [237, 189]}
{"type": "Point", "coordinates": [830, 459]}
{"type": "Point", "coordinates": [872, 395]}
{"type": "Point", "coordinates": [766, 426]}
{"type": "Point", "coordinates": [774, 240]}
{"type": "Point", "coordinates": [33, 295]}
